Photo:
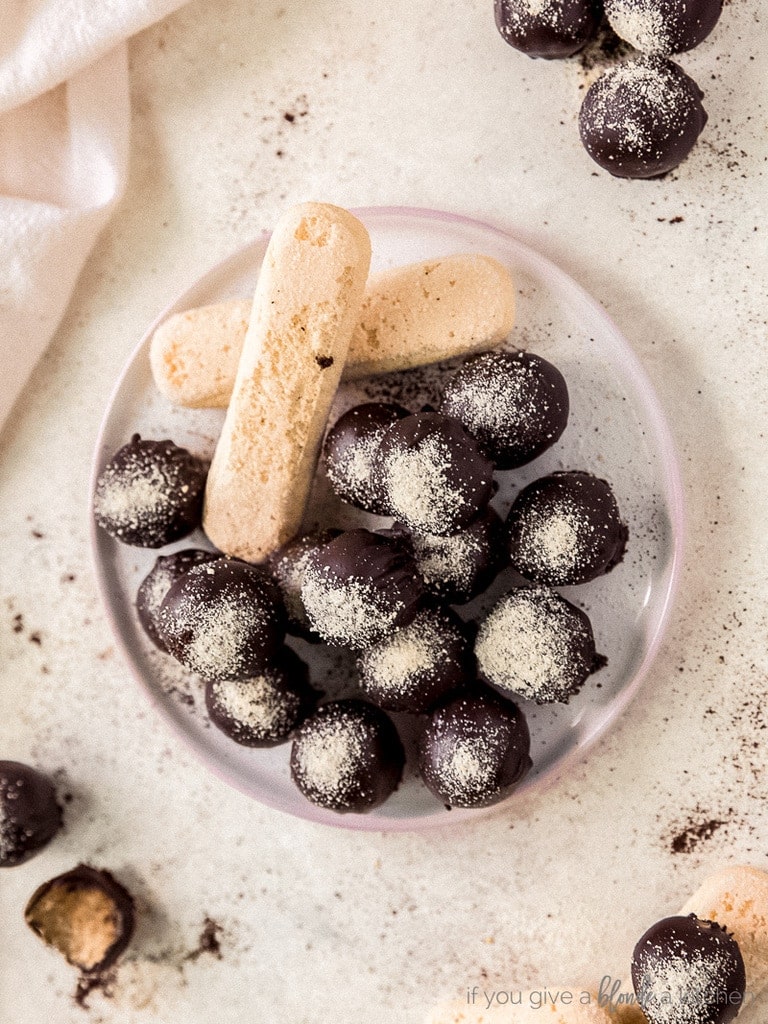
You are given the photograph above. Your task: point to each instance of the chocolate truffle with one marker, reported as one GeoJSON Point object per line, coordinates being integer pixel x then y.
{"type": "Point", "coordinates": [515, 404]}
{"type": "Point", "coordinates": [688, 971]}
{"type": "Point", "coordinates": [474, 749]}
{"type": "Point", "coordinates": [86, 914]}
{"type": "Point", "coordinates": [30, 815]}
{"type": "Point", "coordinates": [150, 493]}
{"type": "Point", "coordinates": [360, 587]}
{"type": "Point", "coordinates": [159, 580]}
{"type": "Point", "coordinates": [535, 644]}
{"type": "Point", "coordinates": [663, 26]}
{"type": "Point", "coordinates": [223, 620]}
{"type": "Point", "coordinates": [264, 710]}
{"type": "Point", "coordinates": [459, 567]}
{"type": "Point", "coordinates": [349, 449]}
{"type": "Point", "coordinates": [641, 118]}
{"type": "Point", "coordinates": [414, 666]}
{"type": "Point", "coordinates": [287, 566]}
{"type": "Point", "coordinates": [347, 757]}
{"type": "Point", "coordinates": [565, 529]}
{"type": "Point", "coordinates": [432, 474]}
{"type": "Point", "coordinates": [547, 28]}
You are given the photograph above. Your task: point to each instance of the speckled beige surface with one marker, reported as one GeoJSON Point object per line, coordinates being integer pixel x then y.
{"type": "Point", "coordinates": [239, 110]}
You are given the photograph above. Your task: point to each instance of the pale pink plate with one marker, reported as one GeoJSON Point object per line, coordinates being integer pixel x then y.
{"type": "Point", "coordinates": [616, 430]}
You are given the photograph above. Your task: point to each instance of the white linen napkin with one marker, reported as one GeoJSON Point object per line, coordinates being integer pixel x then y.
{"type": "Point", "coordinates": [64, 128]}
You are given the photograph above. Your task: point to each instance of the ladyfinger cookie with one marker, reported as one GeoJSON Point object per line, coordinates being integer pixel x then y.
{"type": "Point", "coordinates": [737, 899]}
{"type": "Point", "coordinates": [412, 315]}
{"type": "Point", "coordinates": [305, 308]}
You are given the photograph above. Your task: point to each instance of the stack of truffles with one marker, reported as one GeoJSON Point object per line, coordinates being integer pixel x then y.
{"type": "Point", "coordinates": [384, 593]}
{"type": "Point", "coordinates": [642, 117]}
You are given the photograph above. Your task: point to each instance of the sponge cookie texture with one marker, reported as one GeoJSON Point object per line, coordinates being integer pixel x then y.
{"type": "Point", "coordinates": [305, 308]}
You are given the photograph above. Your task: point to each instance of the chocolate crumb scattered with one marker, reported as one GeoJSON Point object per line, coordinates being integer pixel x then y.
{"type": "Point", "coordinates": [690, 837]}
{"type": "Point", "coordinates": [208, 941]}
{"type": "Point", "coordinates": [324, 361]}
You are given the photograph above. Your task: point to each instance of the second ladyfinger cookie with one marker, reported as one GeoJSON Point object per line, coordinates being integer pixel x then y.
{"type": "Point", "coordinates": [305, 308]}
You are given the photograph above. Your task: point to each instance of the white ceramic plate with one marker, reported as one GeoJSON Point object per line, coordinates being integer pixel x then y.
{"type": "Point", "coordinates": [616, 430]}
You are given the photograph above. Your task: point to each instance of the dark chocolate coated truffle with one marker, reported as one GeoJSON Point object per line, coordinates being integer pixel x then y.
{"type": "Point", "coordinates": [641, 118]}
{"type": "Point", "coordinates": [688, 971]}
{"type": "Point", "coordinates": [547, 28]}
{"type": "Point", "coordinates": [360, 587]}
{"type": "Point", "coordinates": [287, 566]}
{"type": "Point", "coordinates": [223, 620]}
{"type": "Point", "coordinates": [30, 815]}
{"type": "Point", "coordinates": [264, 710]}
{"type": "Point", "coordinates": [474, 749]}
{"type": "Point", "coordinates": [349, 449]}
{"type": "Point", "coordinates": [565, 529]}
{"type": "Point", "coordinates": [159, 580]}
{"type": "Point", "coordinates": [535, 644]}
{"type": "Point", "coordinates": [414, 666]}
{"type": "Point", "coordinates": [432, 474]}
{"type": "Point", "coordinates": [347, 757]}
{"type": "Point", "coordinates": [663, 26]}
{"type": "Point", "coordinates": [86, 914]}
{"type": "Point", "coordinates": [150, 493]}
{"type": "Point", "coordinates": [515, 404]}
{"type": "Point", "coordinates": [458, 568]}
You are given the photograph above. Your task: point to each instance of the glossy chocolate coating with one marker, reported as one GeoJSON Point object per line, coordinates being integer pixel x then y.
{"type": "Point", "coordinates": [30, 815]}
{"type": "Point", "coordinates": [432, 474]}
{"type": "Point", "coordinates": [150, 493]}
{"type": "Point", "coordinates": [663, 26]}
{"type": "Point", "coordinates": [414, 666]}
{"type": "Point", "coordinates": [287, 566]}
{"type": "Point", "coordinates": [535, 644]}
{"type": "Point", "coordinates": [347, 757]}
{"type": "Point", "coordinates": [264, 710]}
{"type": "Point", "coordinates": [223, 620]}
{"type": "Point", "coordinates": [159, 580]}
{"type": "Point", "coordinates": [349, 449]}
{"type": "Point", "coordinates": [474, 749]}
{"type": "Point", "coordinates": [458, 568]}
{"type": "Point", "coordinates": [515, 404]}
{"type": "Point", "coordinates": [688, 971]}
{"type": "Point", "coordinates": [565, 529]}
{"type": "Point", "coordinates": [549, 29]}
{"type": "Point", "coordinates": [86, 914]}
{"type": "Point", "coordinates": [360, 587]}
{"type": "Point", "coordinates": [641, 118]}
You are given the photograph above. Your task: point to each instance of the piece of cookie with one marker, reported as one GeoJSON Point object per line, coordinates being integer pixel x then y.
{"type": "Point", "coordinates": [411, 315]}
{"type": "Point", "coordinates": [306, 305]}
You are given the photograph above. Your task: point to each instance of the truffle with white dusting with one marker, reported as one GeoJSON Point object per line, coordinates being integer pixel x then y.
{"type": "Point", "coordinates": [641, 118]}
{"type": "Point", "coordinates": [30, 815]}
{"type": "Point", "coordinates": [663, 26]}
{"type": "Point", "coordinates": [288, 565]}
{"type": "Point", "coordinates": [535, 644]}
{"type": "Point", "coordinates": [688, 971]}
{"type": "Point", "coordinates": [223, 620]}
{"type": "Point", "coordinates": [150, 493]}
{"type": "Point", "coordinates": [347, 756]}
{"type": "Point", "coordinates": [432, 474]}
{"type": "Point", "coordinates": [515, 404]}
{"type": "Point", "coordinates": [414, 666]}
{"type": "Point", "coordinates": [159, 580]}
{"type": "Point", "coordinates": [474, 749]}
{"type": "Point", "coordinates": [264, 710]}
{"type": "Point", "coordinates": [360, 587]}
{"type": "Point", "coordinates": [547, 28]}
{"type": "Point", "coordinates": [565, 529]}
{"type": "Point", "coordinates": [349, 448]}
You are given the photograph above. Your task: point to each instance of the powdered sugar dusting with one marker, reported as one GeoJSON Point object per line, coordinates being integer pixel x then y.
{"type": "Point", "coordinates": [419, 487]}
{"type": "Point", "coordinates": [350, 612]}
{"type": "Point", "coordinates": [447, 563]}
{"type": "Point", "coordinates": [327, 758]}
{"type": "Point", "coordinates": [260, 705]}
{"type": "Point", "coordinates": [641, 23]}
{"type": "Point", "coordinates": [531, 644]}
